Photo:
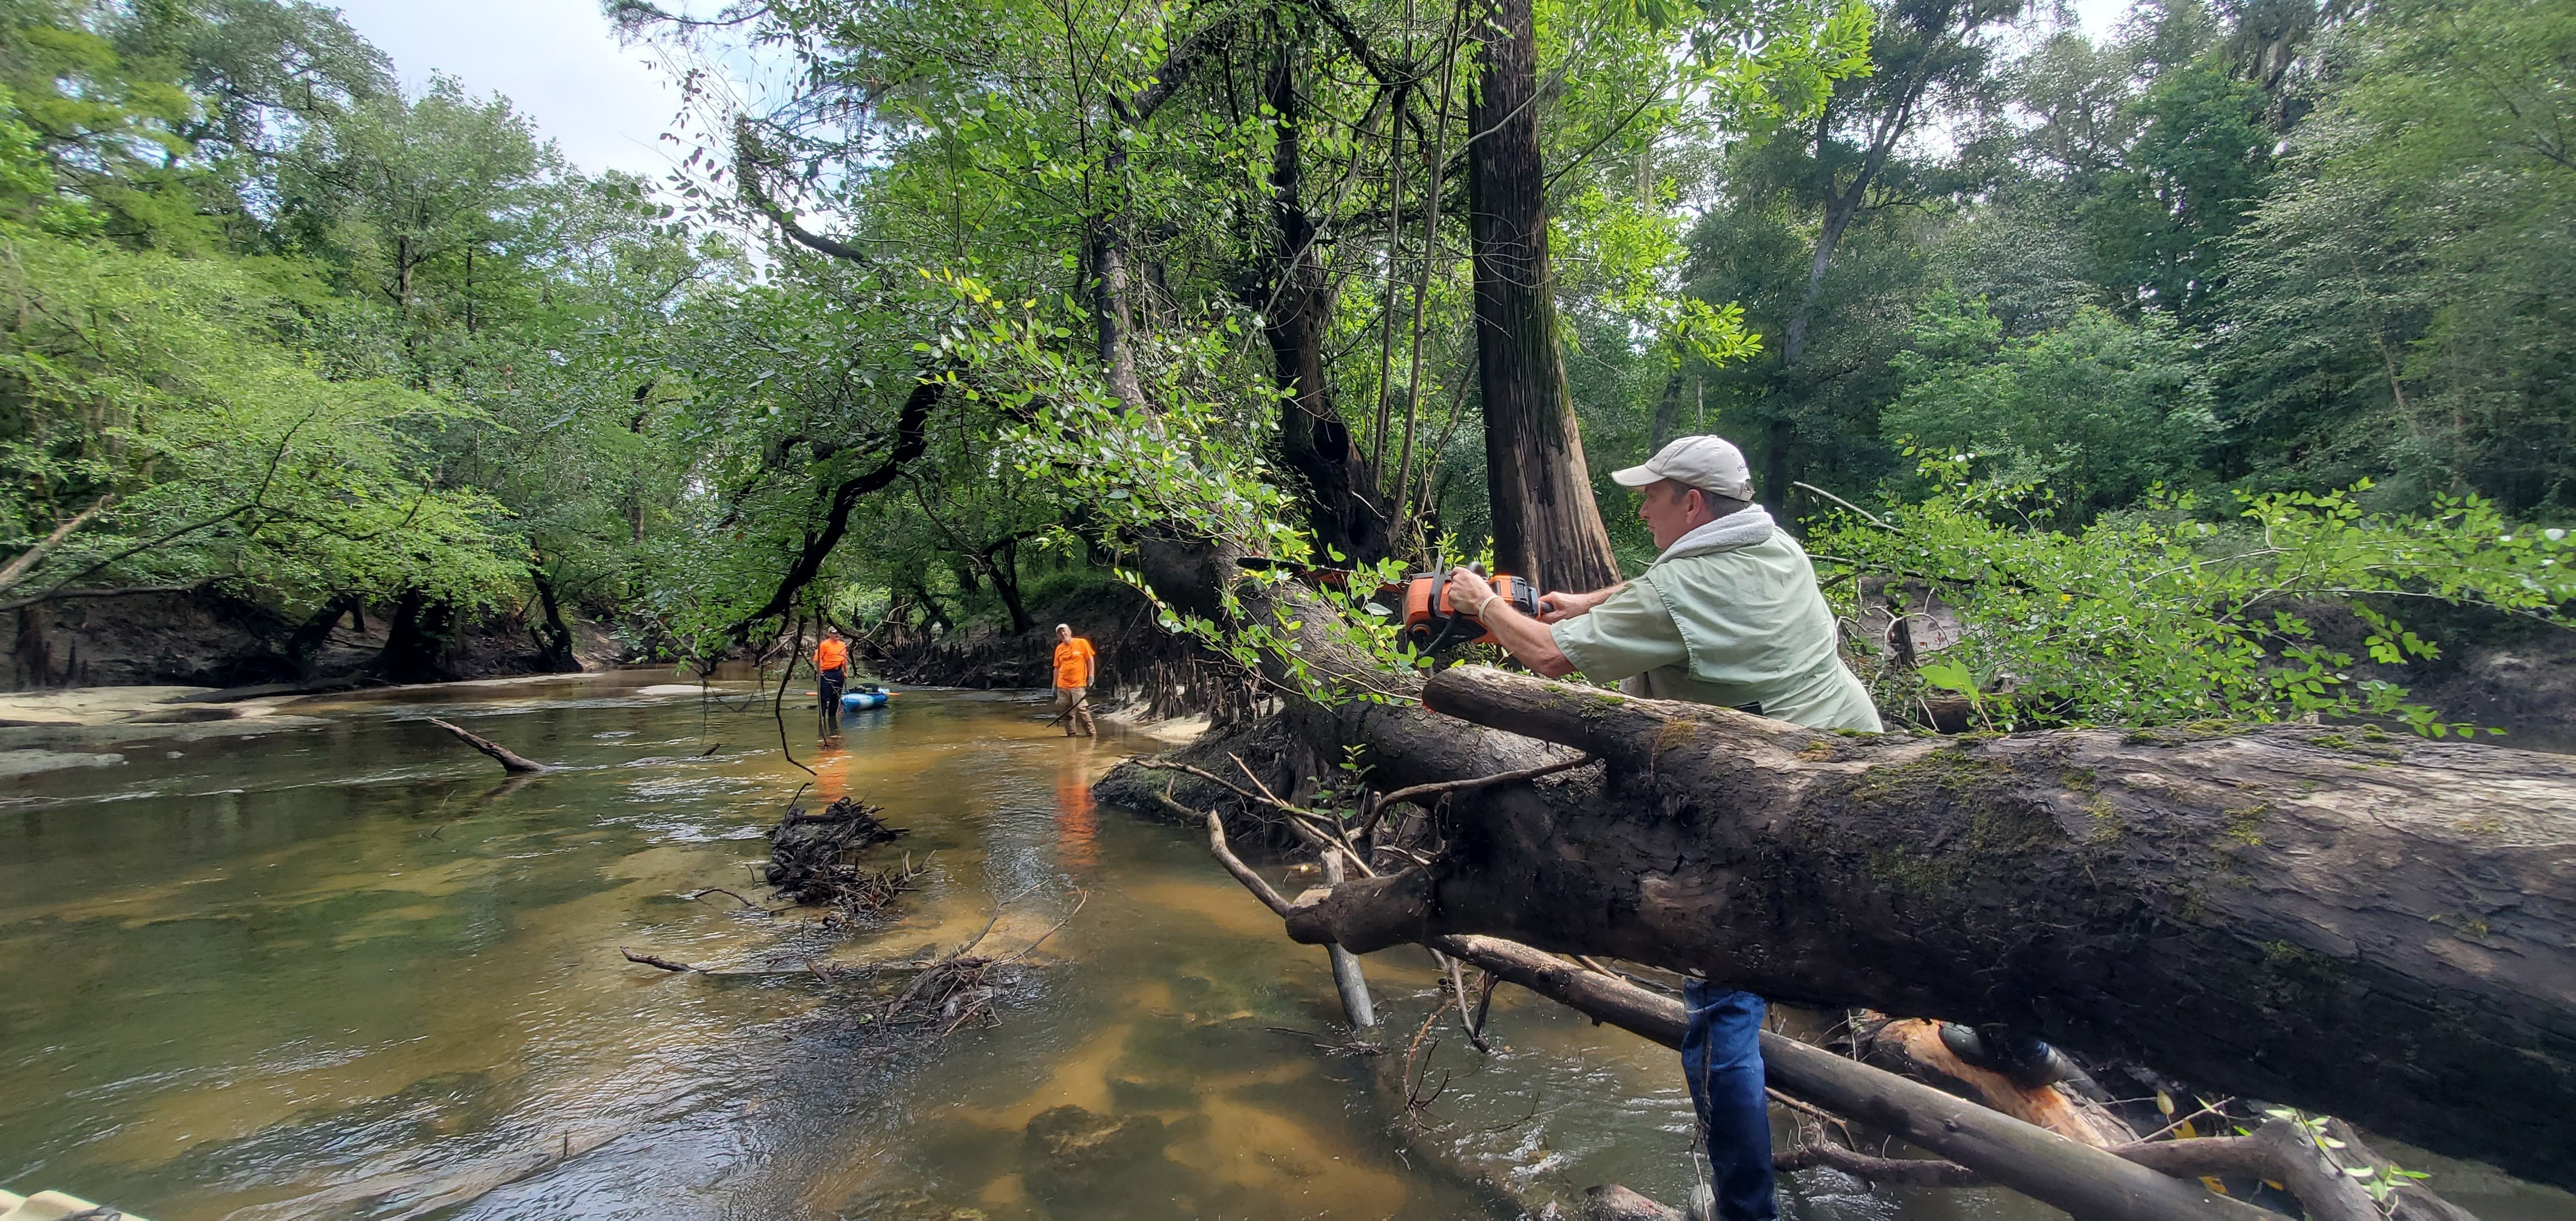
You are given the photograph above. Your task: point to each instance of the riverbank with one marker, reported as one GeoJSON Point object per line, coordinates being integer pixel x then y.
{"type": "Point", "coordinates": [209, 638]}
{"type": "Point", "coordinates": [43, 731]}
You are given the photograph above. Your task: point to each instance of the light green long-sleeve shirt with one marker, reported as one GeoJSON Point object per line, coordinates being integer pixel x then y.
{"type": "Point", "coordinates": [1735, 627]}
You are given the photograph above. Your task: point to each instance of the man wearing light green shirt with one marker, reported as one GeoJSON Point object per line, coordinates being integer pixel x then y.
{"type": "Point", "coordinates": [1728, 614]}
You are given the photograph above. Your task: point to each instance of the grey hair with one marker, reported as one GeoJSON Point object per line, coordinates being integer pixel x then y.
{"type": "Point", "coordinates": [1719, 503]}
{"type": "Point", "coordinates": [1064, 627]}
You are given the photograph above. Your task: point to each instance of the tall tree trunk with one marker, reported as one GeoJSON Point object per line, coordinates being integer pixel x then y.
{"type": "Point", "coordinates": [1546, 524]}
{"type": "Point", "coordinates": [554, 638]}
{"type": "Point", "coordinates": [1668, 410]}
{"type": "Point", "coordinates": [1113, 314]}
{"type": "Point", "coordinates": [416, 639]}
{"type": "Point", "coordinates": [1105, 242]}
{"type": "Point", "coordinates": [1342, 502]}
{"type": "Point", "coordinates": [1003, 565]}
{"type": "Point", "coordinates": [1778, 442]}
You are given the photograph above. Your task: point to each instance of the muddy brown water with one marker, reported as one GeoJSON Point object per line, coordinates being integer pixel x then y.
{"type": "Point", "coordinates": [343, 970]}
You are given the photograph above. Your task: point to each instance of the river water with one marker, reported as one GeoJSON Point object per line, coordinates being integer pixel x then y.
{"type": "Point", "coordinates": [338, 968]}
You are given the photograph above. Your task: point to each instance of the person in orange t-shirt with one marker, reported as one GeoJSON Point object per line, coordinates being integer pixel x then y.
{"type": "Point", "coordinates": [832, 672]}
{"type": "Point", "coordinates": [1073, 665]}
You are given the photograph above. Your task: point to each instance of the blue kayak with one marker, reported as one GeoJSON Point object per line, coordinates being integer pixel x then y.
{"type": "Point", "coordinates": [864, 698]}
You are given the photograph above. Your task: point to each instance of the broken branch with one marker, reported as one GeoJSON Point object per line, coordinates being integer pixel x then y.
{"type": "Point", "coordinates": [510, 761]}
{"type": "Point", "coordinates": [655, 960]}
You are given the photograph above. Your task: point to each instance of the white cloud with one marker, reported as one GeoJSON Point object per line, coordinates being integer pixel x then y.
{"type": "Point", "coordinates": [557, 60]}
{"type": "Point", "coordinates": [2101, 18]}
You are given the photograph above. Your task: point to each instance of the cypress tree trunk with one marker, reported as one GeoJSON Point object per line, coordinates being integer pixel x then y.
{"type": "Point", "coordinates": [554, 638]}
{"type": "Point", "coordinates": [1546, 526]}
{"type": "Point", "coordinates": [1342, 501]}
{"type": "Point", "coordinates": [417, 638]}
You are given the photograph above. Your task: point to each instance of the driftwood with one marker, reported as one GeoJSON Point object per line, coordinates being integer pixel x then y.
{"type": "Point", "coordinates": [959, 987]}
{"type": "Point", "coordinates": [656, 960]}
{"type": "Point", "coordinates": [511, 761]}
{"type": "Point", "coordinates": [813, 859]}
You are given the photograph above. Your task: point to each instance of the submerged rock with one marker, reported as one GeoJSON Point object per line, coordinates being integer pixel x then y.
{"type": "Point", "coordinates": [1074, 1158]}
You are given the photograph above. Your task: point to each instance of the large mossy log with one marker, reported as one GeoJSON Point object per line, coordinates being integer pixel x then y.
{"type": "Point", "coordinates": [2372, 926]}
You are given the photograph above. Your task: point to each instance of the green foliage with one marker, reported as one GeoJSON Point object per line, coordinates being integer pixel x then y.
{"type": "Point", "coordinates": [2093, 413]}
{"type": "Point", "coordinates": [2403, 304]}
{"type": "Point", "coordinates": [165, 384]}
{"type": "Point", "coordinates": [2196, 165]}
{"type": "Point", "coordinates": [27, 195]}
{"type": "Point", "coordinates": [1137, 475]}
{"type": "Point", "coordinates": [2158, 618]}
{"type": "Point", "coordinates": [399, 348]}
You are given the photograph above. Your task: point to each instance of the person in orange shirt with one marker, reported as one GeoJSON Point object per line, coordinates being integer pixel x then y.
{"type": "Point", "coordinates": [1073, 666]}
{"type": "Point", "coordinates": [832, 672]}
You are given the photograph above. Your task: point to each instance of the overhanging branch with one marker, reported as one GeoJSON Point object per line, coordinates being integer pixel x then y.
{"type": "Point", "coordinates": [911, 437]}
{"type": "Point", "coordinates": [746, 174]}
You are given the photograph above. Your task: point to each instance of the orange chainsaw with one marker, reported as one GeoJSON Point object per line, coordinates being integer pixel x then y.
{"type": "Point", "coordinates": [1436, 624]}
{"type": "Point", "coordinates": [1423, 600]}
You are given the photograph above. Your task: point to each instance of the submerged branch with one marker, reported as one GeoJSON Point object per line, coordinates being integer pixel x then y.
{"type": "Point", "coordinates": [511, 761]}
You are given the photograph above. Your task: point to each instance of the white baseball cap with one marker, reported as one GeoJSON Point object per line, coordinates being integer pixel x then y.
{"type": "Point", "coordinates": [1711, 464]}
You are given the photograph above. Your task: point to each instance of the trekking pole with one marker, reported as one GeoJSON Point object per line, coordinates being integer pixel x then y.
{"type": "Point", "coordinates": [1078, 705]}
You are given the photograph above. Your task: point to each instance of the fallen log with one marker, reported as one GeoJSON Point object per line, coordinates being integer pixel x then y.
{"type": "Point", "coordinates": [2090, 1183]}
{"type": "Point", "coordinates": [2322, 1162]}
{"type": "Point", "coordinates": [2369, 926]}
{"type": "Point", "coordinates": [2384, 921]}
{"type": "Point", "coordinates": [510, 761]}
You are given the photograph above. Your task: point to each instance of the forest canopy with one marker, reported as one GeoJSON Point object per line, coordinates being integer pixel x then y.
{"type": "Point", "coordinates": [2138, 351]}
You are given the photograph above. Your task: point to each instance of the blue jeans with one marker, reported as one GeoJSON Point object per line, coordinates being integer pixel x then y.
{"type": "Point", "coordinates": [1722, 1058]}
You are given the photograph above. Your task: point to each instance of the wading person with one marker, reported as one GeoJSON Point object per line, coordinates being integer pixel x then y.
{"type": "Point", "coordinates": [1728, 614]}
{"type": "Point", "coordinates": [831, 674]}
{"type": "Point", "coordinates": [1073, 666]}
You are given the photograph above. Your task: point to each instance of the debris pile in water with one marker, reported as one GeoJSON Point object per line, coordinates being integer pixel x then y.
{"type": "Point", "coordinates": [813, 858]}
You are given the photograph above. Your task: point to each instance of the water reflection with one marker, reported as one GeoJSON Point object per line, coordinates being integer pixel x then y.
{"type": "Point", "coordinates": [1077, 824]}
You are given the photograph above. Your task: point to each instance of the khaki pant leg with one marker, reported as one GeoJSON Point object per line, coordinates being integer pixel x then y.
{"type": "Point", "coordinates": [1076, 707]}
